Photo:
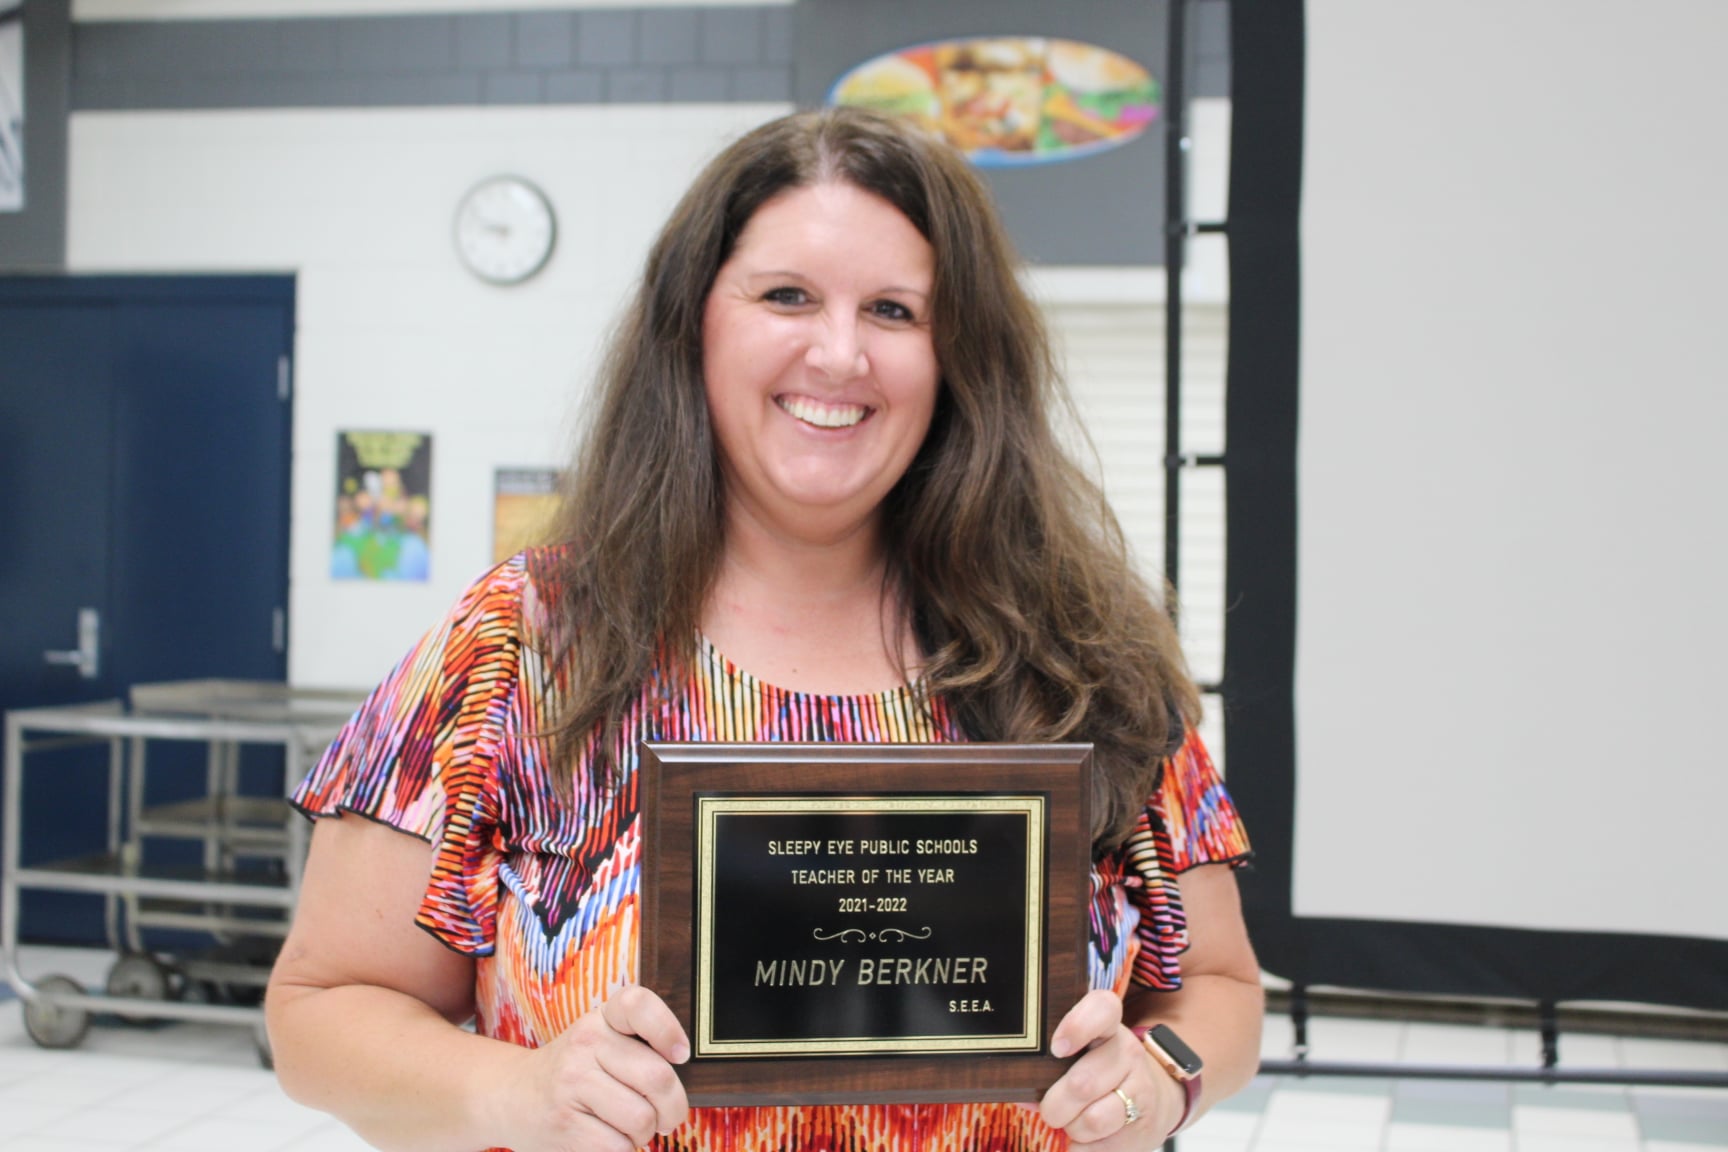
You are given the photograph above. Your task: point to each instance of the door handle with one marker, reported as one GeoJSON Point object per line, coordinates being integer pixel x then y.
{"type": "Point", "coordinates": [86, 657]}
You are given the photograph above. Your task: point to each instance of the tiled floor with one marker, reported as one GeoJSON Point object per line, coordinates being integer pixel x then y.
{"type": "Point", "coordinates": [195, 1088]}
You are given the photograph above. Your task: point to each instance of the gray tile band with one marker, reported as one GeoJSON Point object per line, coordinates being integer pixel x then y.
{"type": "Point", "coordinates": [1451, 1113]}
{"type": "Point", "coordinates": [1572, 1097]}
{"type": "Point", "coordinates": [666, 36]}
{"type": "Point", "coordinates": [574, 56]}
{"type": "Point", "coordinates": [1656, 1104]}
{"type": "Point", "coordinates": [756, 53]}
{"type": "Point", "coordinates": [1692, 1133]}
{"type": "Point", "coordinates": [1252, 1099]}
{"type": "Point", "coordinates": [606, 38]}
{"type": "Point", "coordinates": [484, 41]}
{"type": "Point", "coordinates": [1700, 1119]}
{"type": "Point", "coordinates": [1467, 1093]}
{"type": "Point", "coordinates": [741, 53]}
{"type": "Point", "coordinates": [545, 40]}
{"type": "Point", "coordinates": [1340, 1086]}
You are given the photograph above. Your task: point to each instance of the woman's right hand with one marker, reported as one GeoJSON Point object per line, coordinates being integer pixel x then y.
{"type": "Point", "coordinates": [606, 1083]}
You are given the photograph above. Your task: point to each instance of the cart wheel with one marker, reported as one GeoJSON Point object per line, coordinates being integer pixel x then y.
{"type": "Point", "coordinates": [266, 1057]}
{"type": "Point", "coordinates": [56, 1025]}
{"type": "Point", "coordinates": [138, 976]}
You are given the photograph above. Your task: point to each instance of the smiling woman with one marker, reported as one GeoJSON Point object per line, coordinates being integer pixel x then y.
{"type": "Point", "coordinates": [820, 499]}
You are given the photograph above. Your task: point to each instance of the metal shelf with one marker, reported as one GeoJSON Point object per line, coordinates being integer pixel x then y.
{"type": "Point", "coordinates": [190, 916]}
{"type": "Point", "coordinates": [246, 700]}
{"type": "Point", "coordinates": [253, 847]}
{"type": "Point", "coordinates": [112, 873]}
{"type": "Point", "coordinates": [249, 825]}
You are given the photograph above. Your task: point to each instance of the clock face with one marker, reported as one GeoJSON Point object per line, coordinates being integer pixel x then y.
{"type": "Point", "coordinates": [505, 229]}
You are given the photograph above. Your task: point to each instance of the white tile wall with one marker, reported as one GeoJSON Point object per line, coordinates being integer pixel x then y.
{"type": "Point", "coordinates": [392, 332]}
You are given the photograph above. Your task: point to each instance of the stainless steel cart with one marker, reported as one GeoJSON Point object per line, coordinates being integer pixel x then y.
{"type": "Point", "coordinates": [244, 910]}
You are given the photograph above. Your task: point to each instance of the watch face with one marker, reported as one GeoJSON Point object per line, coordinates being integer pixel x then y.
{"type": "Point", "coordinates": [1184, 1061]}
{"type": "Point", "coordinates": [505, 229]}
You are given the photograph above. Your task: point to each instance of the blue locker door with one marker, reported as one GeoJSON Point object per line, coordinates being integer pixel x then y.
{"type": "Point", "coordinates": [56, 426]}
{"type": "Point", "coordinates": [144, 474]}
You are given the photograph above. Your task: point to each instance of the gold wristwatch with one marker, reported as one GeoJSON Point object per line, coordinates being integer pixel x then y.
{"type": "Point", "coordinates": [1180, 1061]}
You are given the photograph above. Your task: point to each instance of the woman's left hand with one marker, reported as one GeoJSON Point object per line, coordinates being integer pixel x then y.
{"type": "Point", "coordinates": [1114, 1080]}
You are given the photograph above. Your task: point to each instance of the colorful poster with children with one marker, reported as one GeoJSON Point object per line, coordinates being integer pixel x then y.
{"type": "Point", "coordinates": [383, 506]}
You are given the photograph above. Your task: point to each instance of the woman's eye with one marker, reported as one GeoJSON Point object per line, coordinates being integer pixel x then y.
{"type": "Point", "coordinates": [892, 310]}
{"type": "Point", "coordinates": [786, 297]}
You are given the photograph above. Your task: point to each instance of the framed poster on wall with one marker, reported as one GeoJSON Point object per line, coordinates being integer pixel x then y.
{"type": "Point", "coordinates": [524, 502]}
{"type": "Point", "coordinates": [383, 527]}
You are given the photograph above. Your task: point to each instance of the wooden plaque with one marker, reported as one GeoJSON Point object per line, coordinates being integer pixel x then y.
{"type": "Point", "coordinates": [866, 923]}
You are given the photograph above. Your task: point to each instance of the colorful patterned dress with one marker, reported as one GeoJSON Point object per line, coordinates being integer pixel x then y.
{"type": "Point", "coordinates": [543, 893]}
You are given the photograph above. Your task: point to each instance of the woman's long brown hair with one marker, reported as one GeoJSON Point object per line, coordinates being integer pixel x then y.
{"type": "Point", "coordinates": [1033, 622]}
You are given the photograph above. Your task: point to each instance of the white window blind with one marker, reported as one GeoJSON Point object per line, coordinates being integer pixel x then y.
{"type": "Point", "coordinates": [1113, 356]}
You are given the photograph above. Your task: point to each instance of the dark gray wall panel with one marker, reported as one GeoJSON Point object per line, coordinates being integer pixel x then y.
{"type": "Point", "coordinates": [731, 35]}
{"type": "Point", "coordinates": [513, 88]}
{"type": "Point", "coordinates": [569, 56]}
{"type": "Point", "coordinates": [666, 36]}
{"type": "Point", "coordinates": [545, 39]}
{"type": "Point", "coordinates": [637, 86]}
{"type": "Point", "coordinates": [484, 40]}
{"type": "Point", "coordinates": [578, 86]}
{"type": "Point", "coordinates": [34, 240]}
{"type": "Point", "coordinates": [606, 37]}
{"type": "Point", "coordinates": [312, 45]}
{"type": "Point", "coordinates": [767, 84]}
{"type": "Point", "coordinates": [1209, 49]}
{"type": "Point", "coordinates": [777, 35]}
{"type": "Point", "coordinates": [1106, 209]}
{"type": "Point", "coordinates": [701, 85]}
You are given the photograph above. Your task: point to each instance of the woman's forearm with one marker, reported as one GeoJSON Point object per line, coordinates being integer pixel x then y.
{"type": "Point", "coordinates": [1218, 1016]}
{"type": "Point", "coordinates": [390, 1067]}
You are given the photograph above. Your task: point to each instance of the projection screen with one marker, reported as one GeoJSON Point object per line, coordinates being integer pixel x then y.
{"type": "Point", "coordinates": [1513, 540]}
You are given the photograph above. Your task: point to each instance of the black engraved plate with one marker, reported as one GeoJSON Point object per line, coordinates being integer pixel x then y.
{"type": "Point", "coordinates": [888, 924]}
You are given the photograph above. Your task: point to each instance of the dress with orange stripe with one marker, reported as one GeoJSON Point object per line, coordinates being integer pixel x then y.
{"type": "Point", "coordinates": [542, 892]}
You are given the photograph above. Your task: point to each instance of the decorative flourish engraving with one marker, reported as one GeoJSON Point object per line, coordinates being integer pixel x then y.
{"type": "Point", "coordinates": [857, 935]}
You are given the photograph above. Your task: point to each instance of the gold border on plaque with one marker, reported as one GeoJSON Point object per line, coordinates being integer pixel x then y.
{"type": "Point", "coordinates": [708, 811]}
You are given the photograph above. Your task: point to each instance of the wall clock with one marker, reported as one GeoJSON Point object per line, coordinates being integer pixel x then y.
{"type": "Point", "coordinates": [505, 229]}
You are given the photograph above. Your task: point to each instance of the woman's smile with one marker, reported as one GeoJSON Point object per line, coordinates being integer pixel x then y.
{"type": "Point", "coordinates": [821, 414]}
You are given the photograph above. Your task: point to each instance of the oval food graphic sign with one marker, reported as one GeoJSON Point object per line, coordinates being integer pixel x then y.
{"type": "Point", "coordinates": [1010, 99]}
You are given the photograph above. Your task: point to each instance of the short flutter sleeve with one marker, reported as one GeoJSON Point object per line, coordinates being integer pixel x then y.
{"type": "Point", "coordinates": [421, 754]}
{"type": "Point", "coordinates": [1190, 820]}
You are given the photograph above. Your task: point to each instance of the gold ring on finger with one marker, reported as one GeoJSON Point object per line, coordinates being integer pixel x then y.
{"type": "Point", "coordinates": [1129, 1112]}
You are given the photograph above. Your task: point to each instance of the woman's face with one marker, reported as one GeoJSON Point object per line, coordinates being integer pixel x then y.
{"type": "Point", "coordinates": [818, 359]}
